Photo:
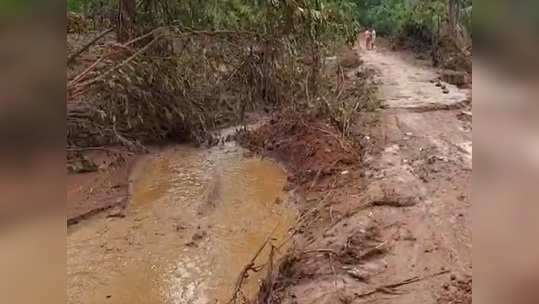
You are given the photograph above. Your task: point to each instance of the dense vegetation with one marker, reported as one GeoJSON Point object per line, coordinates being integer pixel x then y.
{"type": "Point", "coordinates": [185, 67]}
{"type": "Point", "coordinates": [389, 17]}
{"type": "Point", "coordinates": [395, 16]}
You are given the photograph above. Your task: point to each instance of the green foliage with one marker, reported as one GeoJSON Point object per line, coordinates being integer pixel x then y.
{"type": "Point", "coordinates": [332, 18]}
{"type": "Point", "coordinates": [245, 14]}
{"type": "Point", "coordinates": [74, 6]}
{"type": "Point", "coordinates": [466, 17]}
{"type": "Point", "coordinates": [340, 18]}
{"type": "Point", "coordinates": [393, 17]}
{"type": "Point", "coordinates": [420, 21]}
{"type": "Point", "coordinates": [385, 16]}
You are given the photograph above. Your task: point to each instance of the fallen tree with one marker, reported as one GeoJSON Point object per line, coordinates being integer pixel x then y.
{"type": "Point", "coordinates": [179, 82]}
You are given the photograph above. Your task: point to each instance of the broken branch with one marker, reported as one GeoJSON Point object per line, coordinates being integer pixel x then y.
{"type": "Point", "coordinates": [249, 266]}
{"type": "Point", "coordinates": [87, 46]}
{"type": "Point", "coordinates": [390, 288]}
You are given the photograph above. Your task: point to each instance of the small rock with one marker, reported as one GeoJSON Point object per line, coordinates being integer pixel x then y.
{"type": "Point", "coordinates": [453, 277]}
{"type": "Point", "coordinates": [358, 274]}
{"type": "Point", "coordinates": [467, 113]}
{"type": "Point", "coordinates": [191, 244]}
{"type": "Point", "coordinates": [288, 187]}
{"type": "Point", "coordinates": [116, 215]}
{"type": "Point", "coordinates": [446, 91]}
{"type": "Point", "coordinates": [345, 172]}
{"type": "Point", "coordinates": [180, 227]}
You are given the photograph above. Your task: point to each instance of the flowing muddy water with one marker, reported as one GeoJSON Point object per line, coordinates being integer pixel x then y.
{"type": "Point", "coordinates": [195, 220]}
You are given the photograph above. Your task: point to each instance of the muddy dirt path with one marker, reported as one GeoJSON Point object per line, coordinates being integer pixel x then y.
{"type": "Point", "coordinates": [426, 164]}
{"type": "Point", "coordinates": [397, 227]}
{"type": "Point", "coordinates": [195, 219]}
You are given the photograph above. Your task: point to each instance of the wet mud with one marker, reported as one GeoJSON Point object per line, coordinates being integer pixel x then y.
{"type": "Point", "coordinates": [195, 219]}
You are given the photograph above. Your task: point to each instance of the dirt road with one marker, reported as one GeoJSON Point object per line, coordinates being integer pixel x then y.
{"type": "Point", "coordinates": [396, 228]}
{"type": "Point", "coordinates": [427, 159]}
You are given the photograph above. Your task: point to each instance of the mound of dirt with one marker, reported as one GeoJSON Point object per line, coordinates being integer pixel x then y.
{"type": "Point", "coordinates": [310, 148]}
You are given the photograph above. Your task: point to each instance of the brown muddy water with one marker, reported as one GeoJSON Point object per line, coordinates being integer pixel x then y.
{"type": "Point", "coordinates": [196, 218]}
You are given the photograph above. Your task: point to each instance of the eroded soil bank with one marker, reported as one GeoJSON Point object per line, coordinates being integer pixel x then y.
{"type": "Point", "coordinates": [195, 219]}
{"type": "Point", "coordinates": [99, 183]}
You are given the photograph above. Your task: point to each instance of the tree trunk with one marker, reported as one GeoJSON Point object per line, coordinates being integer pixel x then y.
{"type": "Point", "coordinates": [125, 27]}
{"type": "Point", "coordinates": [452, 11]}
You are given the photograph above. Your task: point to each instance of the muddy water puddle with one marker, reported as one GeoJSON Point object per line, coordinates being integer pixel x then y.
{"type": "Point", "coordinates": [195, 220]}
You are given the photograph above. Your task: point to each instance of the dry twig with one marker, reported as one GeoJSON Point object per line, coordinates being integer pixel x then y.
{"type": "Point", "coordinates": [390, 288]}
{"type": "Point", "coordinates": [87, 46]}
{"type": "Point", "coordinates": [250, 266]}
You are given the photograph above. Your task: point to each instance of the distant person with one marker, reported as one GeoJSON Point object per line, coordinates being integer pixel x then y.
{"type": "Point", "coordinates": [368, 39]}
{"type": "Point", "coordinates": [373, 38]}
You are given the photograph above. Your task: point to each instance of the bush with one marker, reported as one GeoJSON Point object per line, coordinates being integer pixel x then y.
{"type": "Point", "coordinates": [74, 6]}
